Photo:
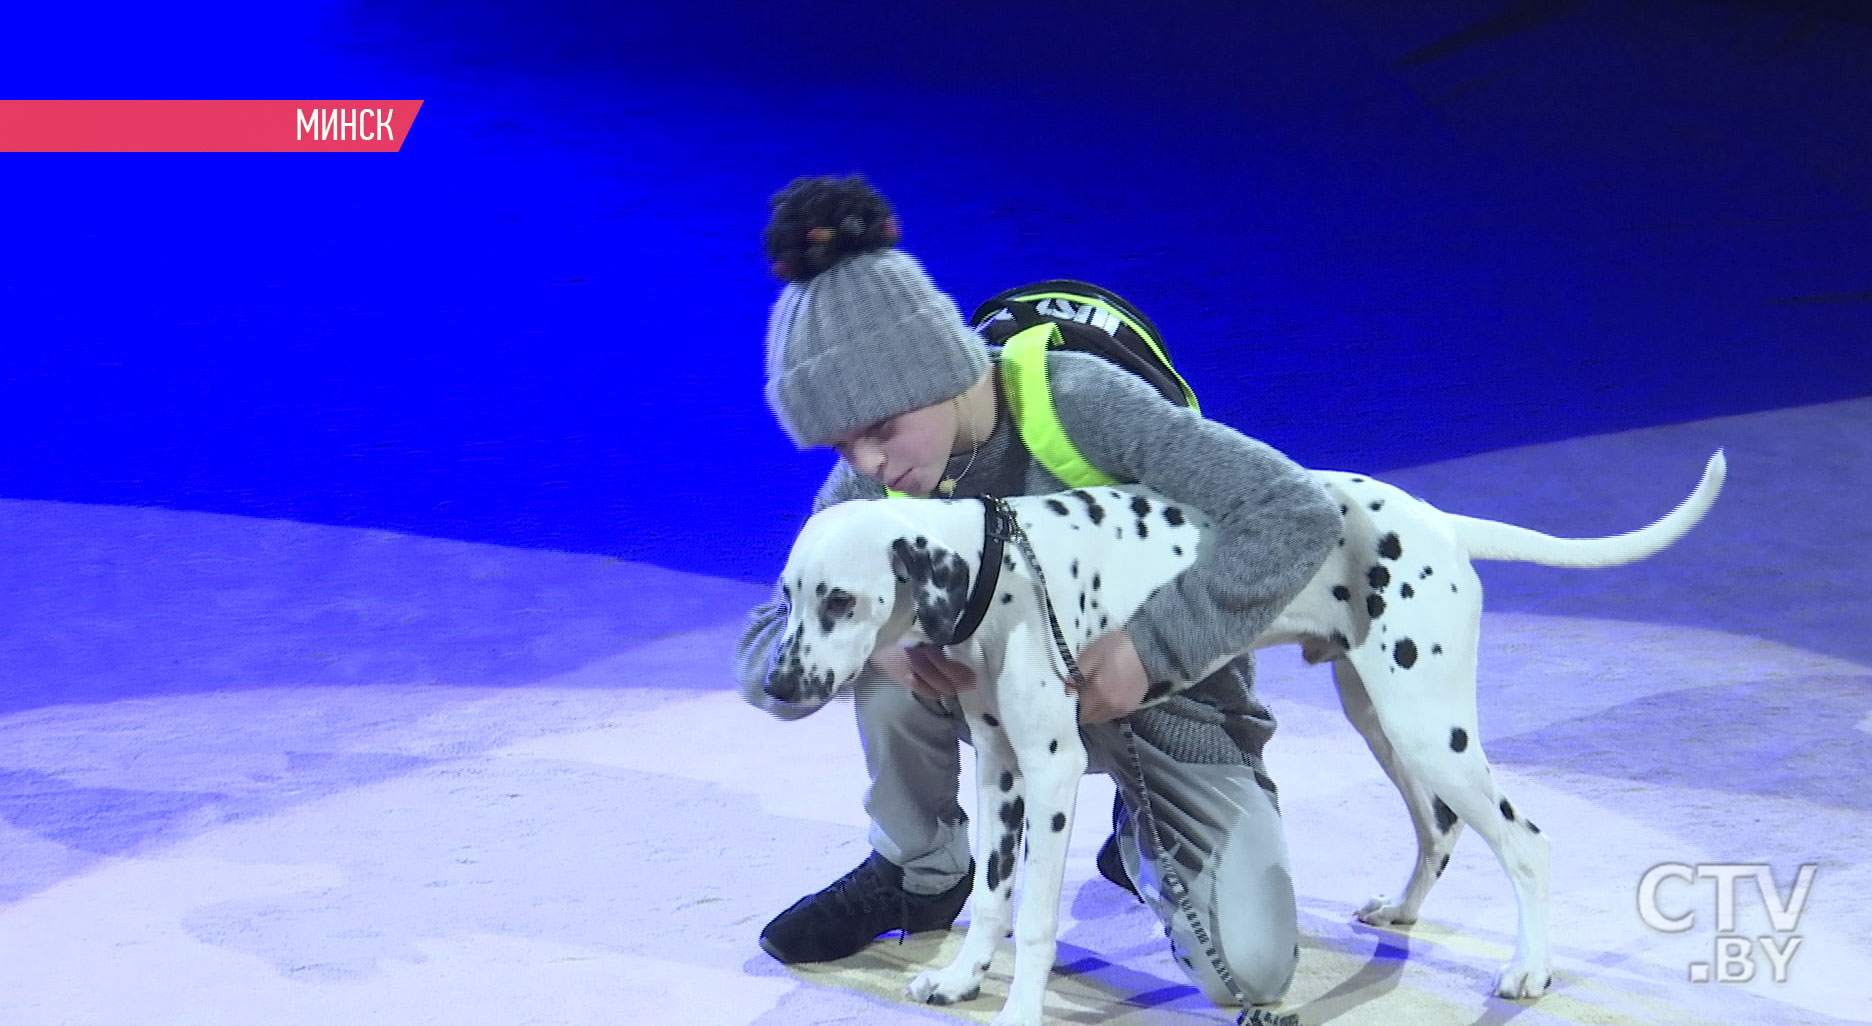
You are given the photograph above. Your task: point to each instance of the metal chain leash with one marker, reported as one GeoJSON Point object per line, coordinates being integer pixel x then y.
{"type": "Point", "coordinates": [1173, 881]}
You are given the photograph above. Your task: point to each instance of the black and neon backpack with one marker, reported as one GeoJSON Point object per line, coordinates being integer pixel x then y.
{"type": "Point", "coordinates": [1032, 320]}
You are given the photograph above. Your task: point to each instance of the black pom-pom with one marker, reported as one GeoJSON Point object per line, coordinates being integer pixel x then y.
{"type": "Point", "coordinates": [819, 221]}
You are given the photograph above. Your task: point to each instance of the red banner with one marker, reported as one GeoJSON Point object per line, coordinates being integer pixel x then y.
{"type": "Point", "coordinates": [205, 126]}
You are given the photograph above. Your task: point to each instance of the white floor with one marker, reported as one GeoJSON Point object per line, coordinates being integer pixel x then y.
{"type": "Point", "coordinates": [258, 772]}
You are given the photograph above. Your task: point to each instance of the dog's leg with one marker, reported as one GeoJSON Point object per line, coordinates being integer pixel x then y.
{"type": "Point", "coordinates": [1431, 725]}
{"type": "Point", "coordinates": [1042, 725]}
{"type": "Point", "coordinates": [999, 786]}
{"type": "Point", "coordinates": [1436, 826]}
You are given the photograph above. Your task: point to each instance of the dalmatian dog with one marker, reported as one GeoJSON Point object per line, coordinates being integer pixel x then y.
{"type": "Point", "coordinates": [1396, 609]}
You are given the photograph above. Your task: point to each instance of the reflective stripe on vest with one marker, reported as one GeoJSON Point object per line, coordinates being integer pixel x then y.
{"type": "Point", "coordinates": [1030, 396]}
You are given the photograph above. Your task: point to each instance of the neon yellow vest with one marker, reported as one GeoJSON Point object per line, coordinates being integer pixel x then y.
{"type": "Point", "coordinates": [1030, 399]}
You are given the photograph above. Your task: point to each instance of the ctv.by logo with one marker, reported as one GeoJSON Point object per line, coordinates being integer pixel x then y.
{"type": "Point", "coordinates": [1735, 954]}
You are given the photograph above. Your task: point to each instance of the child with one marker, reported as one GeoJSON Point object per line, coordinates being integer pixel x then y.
{"type": "Point", "coordinates": [865, 356]}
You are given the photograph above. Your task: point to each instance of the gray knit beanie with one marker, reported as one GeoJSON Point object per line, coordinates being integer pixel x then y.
{"type": "Point", "coordinates": [863, 341]}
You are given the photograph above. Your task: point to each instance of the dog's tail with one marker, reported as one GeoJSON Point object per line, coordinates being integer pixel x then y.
{"type": "Point", "coordinates": [1486, 539]}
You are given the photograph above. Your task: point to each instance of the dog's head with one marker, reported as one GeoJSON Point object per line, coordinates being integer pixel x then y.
{"type": "Point", "coordinates": [859, 578]}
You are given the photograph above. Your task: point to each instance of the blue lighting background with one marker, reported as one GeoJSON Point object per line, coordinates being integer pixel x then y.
{"type": "Point", "coordinates": [1376, 235]}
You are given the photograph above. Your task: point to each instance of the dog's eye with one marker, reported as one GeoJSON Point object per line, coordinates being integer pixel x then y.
{"type": "Point", "coordinates": [839, 604]}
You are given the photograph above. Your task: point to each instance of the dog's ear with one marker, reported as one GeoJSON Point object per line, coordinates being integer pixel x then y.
{"type": "Point", "coordinates": [939, 581]}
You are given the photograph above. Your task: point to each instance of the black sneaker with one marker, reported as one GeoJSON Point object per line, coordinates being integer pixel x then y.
{"type": "Point", "coordinates": [859, 907]}
{"type": "Point", "coordinates": [1110, 862]}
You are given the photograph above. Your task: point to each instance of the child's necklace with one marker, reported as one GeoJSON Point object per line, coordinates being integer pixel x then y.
{"type": "Point", "coordinates": [947, 485]}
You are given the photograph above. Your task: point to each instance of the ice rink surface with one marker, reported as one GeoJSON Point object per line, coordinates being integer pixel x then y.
{"type": "Point", "coordinates": [256, 771]}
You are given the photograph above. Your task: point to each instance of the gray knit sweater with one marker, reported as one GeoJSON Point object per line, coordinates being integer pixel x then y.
{"type": "Point", "coordinates": [1271, 528]}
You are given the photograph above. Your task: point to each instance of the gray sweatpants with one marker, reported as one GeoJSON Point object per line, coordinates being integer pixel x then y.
{"type": "Point", "coordinates": [1217, 817]}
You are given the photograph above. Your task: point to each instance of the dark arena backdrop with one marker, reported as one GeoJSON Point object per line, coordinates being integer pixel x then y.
{"type": "Point", "coordinates": [375, 529]}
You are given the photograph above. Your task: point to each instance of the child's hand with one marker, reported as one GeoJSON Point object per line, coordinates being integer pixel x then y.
{"type": "Point", "coordinates": [924, 669]}
{"type": "Point", "coordinates": [1115, 678]}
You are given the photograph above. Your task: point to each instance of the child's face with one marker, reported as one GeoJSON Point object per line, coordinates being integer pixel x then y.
{"type": "Point", "coordinates": [906, 453]}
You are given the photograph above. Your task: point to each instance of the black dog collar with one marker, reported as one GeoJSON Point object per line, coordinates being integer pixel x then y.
{"type": "Point", "coordinates": [997, 527]}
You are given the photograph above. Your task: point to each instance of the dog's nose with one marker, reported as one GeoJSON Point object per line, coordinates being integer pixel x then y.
{"type": "Point", "coordinates": [781, 687]}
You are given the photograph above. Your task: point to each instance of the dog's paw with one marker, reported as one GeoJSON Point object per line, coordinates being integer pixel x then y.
{"type": "Point", "coordinates": [1382, 911]}
{"type": "Point", "coordinates": [944, 986]}
{"type": "Point", "coordinates": [1521, 980]}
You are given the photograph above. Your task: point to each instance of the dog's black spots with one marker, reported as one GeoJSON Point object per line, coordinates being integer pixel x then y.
{"type": "Point", "coordinates": [1093, 510]}
{"type": "Point", "coordinates": [1442, 866]}
{"type": "Point", "coordinates": [1007, 598]}
{"type": "Point", "coordinates": [1140, 505]}
{"type": "Point", "coordinates": [1445, 816]}
{"type": "Point", "coordinates": [1342, 593]}
{"type": "Point", "coordinates": [1104, 621]}
{"type": "Point", "coordinates": [989, 719]}
{"type": "Point", "coordinates": [1058, 507]}
{"type": "Point", "coordinates": [1157, 690]}
{"type": "Point", "coordinates": [1379, 577]}
{"type": "Point", "coordinates": [1374, 605]}
{"type": "Point", "coordinates": [1452, 589]}
{"type": "Point", "coordinates": [1097, 581]}
{"type": "Point", "coordinates": [1177, 549]}
{"type": "Point", "coordinates": [1012, 813]}
{"type": "Point", "coordinates": [1407, 591]}
{"type": "Point", "coordinates": [1390, 547]}
{"type": "Point", "coordinates": [1531, 826]}
{"type": "Point", "coordinates": [1009, 841]}
{"type": "Point", "coordinates": [1405, 653]}
{"type": "Point", "coordinates": [1075, 568]}
{"type": "Point", "coordinates": [1007, 781]}
{"type": "Point", "coordinates": [821, 590]}
{"type": "Point", "coordinates": [1458, 739]}
{"type": "Point", "coordinates": [1436, 649]}
{"type": "Point", "coordinates": [1118, 532]}
{"type": "Point", "coordinates": [1507, 810]}
{"type": "Point", "coordinates": [1426, 572]}
{"type": "Point", "coordinates": [1341, 640]}
{"type": "Point", "coordinates": [1059, 822]}
{"type": "Point", "coordinates": [1082, 602]}
{"type": "Point", "coordinates": [1007, 562]}
{"type": "Point", "coordinates": [1143, 529]}
{"type": "Point", "coordinates": [1342, 510]}
{"type": "Point", "coordinates": [1053, 746]}
{"type": "Point", "coordinates": [1173, 516]}
{"type": "Point", "coordinates": [922, 543]}
{"type": "Point", "coordinates": [1342, 543]}
{"type": "Point", "coordinates": [1358, 480]}
{"type": "Point", "coordinates": [1377, 505]}
{"type": "Point", "coordinates": [994, 869]}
